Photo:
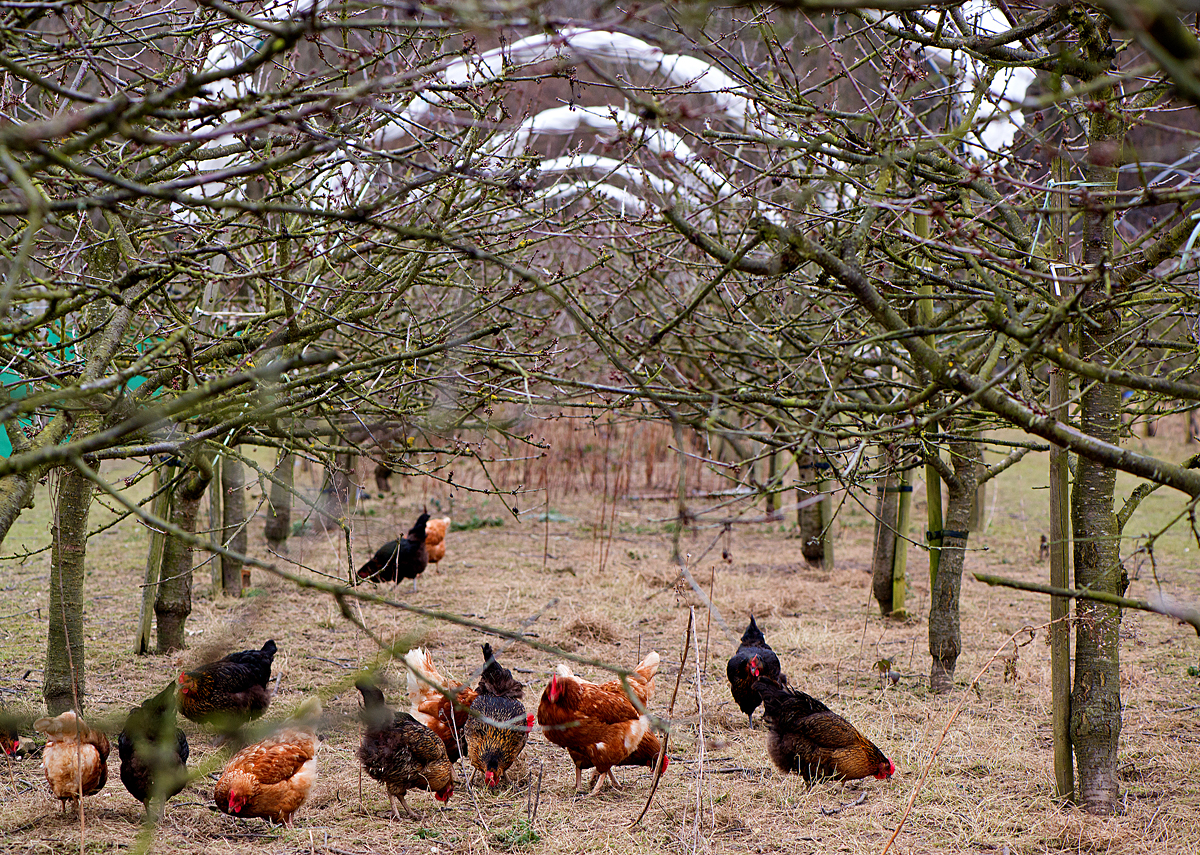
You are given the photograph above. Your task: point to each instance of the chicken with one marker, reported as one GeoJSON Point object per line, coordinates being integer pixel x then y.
{"type": "Point", "coordinates": [399, 559]}
{"type": "Point", "coordinates": [431, 707]}
{"type": "Point", "coordinates": [598, 723]}
{"type": "Point", "coordinates": [229, 692]}
{"type": "Point", "coordinates": [435, 539]}
{"type": "Point", "coordinates": [753, 660]}
{"type": "Point", "coordinates": [498, 727]}
{"type": "Point", "coordinates": [806, 737]}
{"type": "Point", "coordinates": [272, 778]}
{"type": "Point", "coordinates": [646, 754]}
{"type": "Point", "coordinates": [153, 750]}
{"type": "Point", "coordinates": [12, 743]}
{"type": "Point", "coordinates": [401, 753]}
{"type": "Point", "coordinates": [76, 756]}
{"type": "Point", "coordinates": [10, 733]}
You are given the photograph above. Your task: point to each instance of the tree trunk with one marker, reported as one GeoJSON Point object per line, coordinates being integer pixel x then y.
{"type": "Point", "coordinates": [233, 523]}
{"type": "Point", "coordinates": [339, 493]}
{"type": "Point", "coordinates": [771, 502]}
{"type": "Point", "coordinates": [945, 641]}
{"type": "Point", "coordinates": [173, 603]}
{"type": "Point", "coordinates": [1060, 524]}
{"type": "Point", "coordinates": [16, 491]}
{"type": "Point", "coordinates": [1096, 699]}
{"type": "Point", "coordinates": [279, 505]}
{"type": "Point", "coordinates": [63, 680]}
{"type": "Point", "coordinates": [979, 503]}
{"type": "Point", "coordinates": [900, 550]}
{"type": "Point", "coordinates": [810, 519]}
{"type": "Point", "coordinates": [160, 508]}
{"type": "Point", "coordinates": [883, 553]}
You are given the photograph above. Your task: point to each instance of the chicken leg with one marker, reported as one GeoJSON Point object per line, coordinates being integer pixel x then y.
{"type": "Point", "coordinates": [407, 809]}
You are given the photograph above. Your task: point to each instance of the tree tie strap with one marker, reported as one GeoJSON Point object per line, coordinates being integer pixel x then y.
{"type": "Point", "coordinates": [905, 488]}
{"type": "Point", "coordinates": [944, 533]}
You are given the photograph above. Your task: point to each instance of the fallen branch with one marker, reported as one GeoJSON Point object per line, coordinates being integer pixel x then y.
{"type": "Point", "coordinates": [1164, 606]}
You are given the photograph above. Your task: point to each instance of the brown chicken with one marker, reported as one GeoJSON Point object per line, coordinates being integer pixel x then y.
{"type": "Point", "coordinates": [229, 692]}
{"type": "Point", "coordinates": [435, 539]}
{"type": "Point", "coordinates": [76, 757]}
{"type": "Point", "coordinates": [401, 753]}
{"type": "Point", "coordinates": [806, 737]}
{"type": "Point", "coordinates": [598, 723]}
{"type": "Point", "coordinates": [444, 714]}
{"type": "Point", "coordinates": [272, 778]}
{"type": "Point", "coordinates": [498, 727]}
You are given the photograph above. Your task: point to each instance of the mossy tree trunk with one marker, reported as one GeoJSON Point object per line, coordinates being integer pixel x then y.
{"type": "Point", "coordinates": [1060, 520]}
{"type": "Point", "coordinates": [279, 504]}
{"type": "Point", "coordinates": [173, 603]}
{"type": "Point", "coordinates": [945, 640]}
{"type": "Point", "coordinates": [160, 507]}
{"type": "Point", "coordinates": [233, 523]}
{"type": "Point", "coordinates": [1096, 697]}
{"type": "Point", "coordinates": [63, 680]}
{"type": "Point", "coordinates": [883, 552]}
{"type": "Point", "coordinates": [810, 518]}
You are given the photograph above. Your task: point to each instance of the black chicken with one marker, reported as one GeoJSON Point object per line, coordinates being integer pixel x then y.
{"type": "Point", "coordinates": [492, 748]}
{"type": "Point", "coordinates": [399, 559]}
{"type": "Point", "coordinates": [229, 692]}
{"type": "Point", "coordinates": [153, 750]}
{"type": "Point", "coordinates": [401, 753]}
{"type": "Point", "coordinates": [753, 660]}
{"type": "Point", "coordinates": [806, 737]}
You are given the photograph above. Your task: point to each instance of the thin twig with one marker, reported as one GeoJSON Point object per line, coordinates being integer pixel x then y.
{"type": "Point", "coordinates": [708, 604]}
{"type": "Point", "coordinates": [700, 746]}
{"type": "Point", "coordinates": [831, 811]}
{"type": "Point", "coordinates": [662, 751]}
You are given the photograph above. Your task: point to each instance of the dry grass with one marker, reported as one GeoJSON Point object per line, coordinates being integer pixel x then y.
{"type": "Point", "coordinates": [989, 789]}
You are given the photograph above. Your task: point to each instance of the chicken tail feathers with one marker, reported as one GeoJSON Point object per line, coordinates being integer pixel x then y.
{"type": "Point", "coordinates": [498, 680]}
{"type": "Point", "coordinates": [420, 665]}
{"type": "Point", "coordinates": [753, 636]}
{"type": "Point", "coordinates": [647, 669]}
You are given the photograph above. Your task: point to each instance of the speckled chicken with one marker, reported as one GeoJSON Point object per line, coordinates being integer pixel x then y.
{"type": "Point", "coordinates": [153, 750]}
{"type": "Point", "coordinates": [498, 727]}
{"type": "Point", "coordinates": [753, 660]}
{"type": "Point", "coordinates": [445, 715]}
{"type": "Point", "coordinates": [401, 753]}
{"type": "Point", "coordinates": [76, 757]}
{"type": "Point", "coordinates": [807, 737]}
{"type": "Point", "coordinates": [272, 778]}
{"type": "Point", "coordinates": [229, 692]}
